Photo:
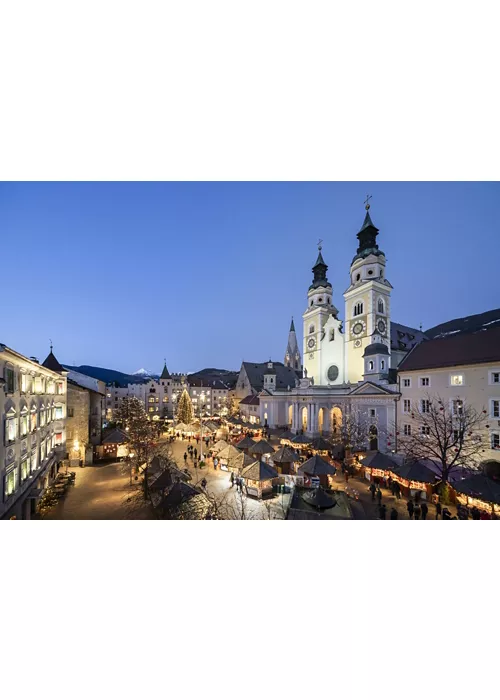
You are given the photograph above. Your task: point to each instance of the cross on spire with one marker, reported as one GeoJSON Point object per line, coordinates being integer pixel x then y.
{"type": "Point", "coordinates": [51, 346]}
{"type": "Point", "coordinates": [319, 244]}
{"type": "Point", "coordinates": [367, 201]}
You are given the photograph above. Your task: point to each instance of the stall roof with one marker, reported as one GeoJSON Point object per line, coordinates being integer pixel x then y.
{"type": "Point", "coordinates": [245, 443]}
{"type": "Point", "coordinates": [301, 440]}
{"type": "Point", "coordinates": [285, 455]}
{"type": "Point", "coordinates": [481, 487]}
{"type": "Point", "coordinates": [259, 471]}
{"type": "Point", "coordinates": [379, 460]}
{"type": "Point", "coordinates": [116, 437]}
{"type": "Point", "coordinates": [240, 461]}
{"type": "Point", "coordinates": [219, 445]}
{"type": "Point", "coordinates": [229, 452]}
{"type": "Point", "coordinates": [286, 435]}
{"type": "Point", "coordinates": [320, 443]}
{"type": "Point", "coordinates": [316, 466]}
{"type": "Point", "coordinates": [262, 447]}
{"type": "Point", "coordinates": [415, 471]}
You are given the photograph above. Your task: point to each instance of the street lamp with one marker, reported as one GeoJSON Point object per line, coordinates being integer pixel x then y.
{"type": "Point", "coordinates": [202, 399]}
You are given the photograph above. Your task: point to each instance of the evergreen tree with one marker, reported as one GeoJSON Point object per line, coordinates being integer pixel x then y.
{"type": "Point", "coordinates": [185, 412]}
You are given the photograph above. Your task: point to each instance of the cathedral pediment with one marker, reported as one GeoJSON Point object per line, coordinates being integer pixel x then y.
{"type": "Point", "coordinates": [370, 389]}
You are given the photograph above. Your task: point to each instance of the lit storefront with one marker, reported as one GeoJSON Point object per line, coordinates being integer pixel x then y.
{"type": "Point", "coordinates": [479, 491]}
{"type": "Point", "coordinates": [258, 478]}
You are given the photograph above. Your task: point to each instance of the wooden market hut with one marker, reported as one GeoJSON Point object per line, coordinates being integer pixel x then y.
{"type": "Point", "coordinates": [219, 445]}
{"type": "Point", "coordinates": [286, 437]}
{"type": "Point", "coordinates": [245, 444]}
{"type": "Point", "coordinates": [479, 491]}
{"type": "Point", "coordinates": [322, 446]}
{"type": "Point", "coordinates": [316, 466]}
{"type": "Point", "coordinates": [414, 478]}
{"type": "Point", "coordinates": [284, 460]}
{"type": "Point", "coordinates": [258, 478]}
{"type": "Point", "coordinates": [226, 455]}
{"type": "Point", "coordinates": [114, 445]}
{"type": "Point", "coordinates": [377, 465]}
{"type": "Point", "coordinates": [261, 448]}
{"type": "Point", "coordinates": [239, 462]}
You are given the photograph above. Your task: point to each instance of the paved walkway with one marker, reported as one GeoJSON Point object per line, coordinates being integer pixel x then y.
{"type": "Point", "coordinates": [100, 493]}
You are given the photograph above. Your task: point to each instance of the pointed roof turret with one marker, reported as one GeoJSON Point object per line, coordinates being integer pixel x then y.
{"type": "Point", "coordinates": [367, 236]}
{"type": "Point", "coordinates": [165, 373]}
{"type": "Point", "coordinates": [292, 326]}
{"type": "Point", "coordinates": [51, 362]}
{"type": "Point", "coordinates": [319, 271]}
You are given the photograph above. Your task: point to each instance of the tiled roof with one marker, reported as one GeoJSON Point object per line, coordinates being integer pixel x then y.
{"type": "Point", "coordinates": [285, 376]}
{"type": "Point", "coordinates": [404, 337]}
{"type": "Point", "coordinates": [51, 362]}
{"type": "Point", "coordinates": [454, 351]}
{"type": "Point", "coordinates": [259, 471]}
{"type": "Point", "coordinates": [250, 400]}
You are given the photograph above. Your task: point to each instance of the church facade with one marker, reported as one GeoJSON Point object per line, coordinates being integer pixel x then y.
{"type": "Point", "coordinates": [347, 368]}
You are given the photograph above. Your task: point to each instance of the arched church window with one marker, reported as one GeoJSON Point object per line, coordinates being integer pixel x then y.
{"type": "Point", "coordinates": [328, 300]}
{"type": "Point", "coordinates": [312, 302]}
{"type": "Point", "coordinates": [358, 308]}
{"type": "Point", "coordinates": [370, 364]}
{"type": "Point", "coordinates": [311, 329]}
{"type": "Point", "coordinates": [382, 364]}
{"type": "Point", "coordinates": [332, 334]}
{"type": "Point", "coordinates": [358, 277]}
{"type": "Point", "coordinates": [381, 306]}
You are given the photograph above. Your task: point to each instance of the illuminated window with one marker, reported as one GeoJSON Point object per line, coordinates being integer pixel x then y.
{"type": "Point", "coordinates": [24, 382]}
{"type": "Point", "coordinates": [42, 452]}
{"type": "Point", "coordinates": [495, 377]}
{"type": "Point", "coordinates": [23, 425]}
{"type": "Point", "coordinates": [60, 388]}
{"type": "Point", "coordinates": [457, 407]}
{"type": "Point", "coordinates": [10, 429]}
{"type": "Point", "coordinates": [59, 412]}
{"type": "Point", "coordinates": [11, 480]}
{"type": "Point", "coordinates": [38, 385]}
{"type": "Point", "coordinates": [457, 379]}
{"type": "Point", "coordinates": [25, 469]}
{"type": "Point", "coordinates": [58, 438]}
{"type": "Point", "coordinates": [33, 421]}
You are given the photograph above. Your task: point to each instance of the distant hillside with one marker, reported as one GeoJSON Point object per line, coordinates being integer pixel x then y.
{"type": "Point", "coordinates": [108, 375]}
{"type": "Point", "coordinates": [210, 374]}
{"type": "Point", "coordinates": [467, 324]}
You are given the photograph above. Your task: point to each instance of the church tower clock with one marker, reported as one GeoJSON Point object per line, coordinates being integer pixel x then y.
{"type": "Point", "coordinates": [367, 300]}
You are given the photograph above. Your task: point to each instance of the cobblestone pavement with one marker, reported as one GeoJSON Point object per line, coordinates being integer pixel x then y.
{"type": "Point", "coordinates": [100, 492]}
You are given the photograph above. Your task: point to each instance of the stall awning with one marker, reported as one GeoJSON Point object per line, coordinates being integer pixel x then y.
{"type": "Point", "coordinates": [481, 487]}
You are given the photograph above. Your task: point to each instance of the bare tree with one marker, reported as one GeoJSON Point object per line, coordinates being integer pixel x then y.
{"type": "Point", "coordinates": [355, 430]}
{"type": "Point", "coordinates": [448, 435]}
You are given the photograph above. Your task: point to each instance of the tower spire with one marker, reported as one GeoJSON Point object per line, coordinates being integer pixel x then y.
{"type": "Point", "coordinates": [367, 235]}
{"type": "Point", "coordinates": [319, 270]}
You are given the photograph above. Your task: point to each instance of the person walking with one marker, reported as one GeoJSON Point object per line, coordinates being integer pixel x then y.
{"type": "Point", "coordinates": [232, 479]}
{"type": "Point", "coordinates": [373, 489]}
{"type": "Point", "coordinates": [410, 508]}
{"type": "Point", "coordinates": [382, 510]}
{"type": "Point", "coordinates": [425, 509]}
{"type": "Point", "coordinates": [195, 453]}
{"type": "Point", "coordinates": [185, 456]}
{"type": "Point", "coordinates": [203, 483]}
{"type": "Point", "coordinates": [446, 514]}
{"type": "Point", "coordinates": [417, 511]}
{"type": "Point", "coordinates": [398, 490]}
{"type": "Point", "coordinates": [439, 510]}
{"type": "Point", "coordinates": [394, 514]}
{"type": "Point", "coordinates": [346, 475]}
{"type": "Point", "coordinates": [216, 462]}
{"type": "Point", "coordinates": [476, 515]}
{"type": "Point", "coordinates": [379, 496]}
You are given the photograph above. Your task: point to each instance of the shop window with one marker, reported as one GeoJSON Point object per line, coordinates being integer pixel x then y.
{"type": "Point", "coordinates": [11, 482]}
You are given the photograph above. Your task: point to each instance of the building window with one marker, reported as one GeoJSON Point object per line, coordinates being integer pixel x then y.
{"type": "Point", "coordinates": [495, 408]}
{"type": "Point", "coordinates": [24, 382]}
{"type": "Point", "coordinates": [59, 439]}
{"type": "Point", "coordinates": [380, 306]}
{"type": "Point", "coordinates": [495, 441]}
{"type": "Point", "coordinates": [10, 482]}
{"type": "Point", "coordinates": [457, 379]}
{"type": "Point", "coordinates": [23, 425]}
{"type": "Point", "coordinates": [59, 412]}
{"type": "Point", "coordinates": [406, 405]}
{"type": "Point", "coordinates": [10, 380]}
{"type": "Point", "coordinates": [495, 378]}
{"type": "Point", "coordinates": [370, 365]}
{"type": "Point", "coordinates": [25, 469]}
{"type": "Point", "coordinates": [425, 430]}
{"type": "Point", "coordinates": [425, 381]}
{"type": "Point", "coordinates": [33, 421]}
{"type": "Point", "coordinates": [60, 387]}
{"type": "Point", "coordinates": [71, 412]}
{"type": "Point", "coordinates": [358, 308]}
{"type": "Point", "coordinates": [425, 406]}
{"type": "Point", "coordinates": [10, 429]}
{"type": "Point", "coordinates": [457, 407]}
{"type": "Point", "coordinates": [382, 364]}
{"type": "Point", "coordinates": [311, 329]}
{"type": "Point", "coordinates": [332, 334]}
{"type": "Point", "coordinates": [407, 383]}
{"type": "Point", "coordinates": [407, 429]}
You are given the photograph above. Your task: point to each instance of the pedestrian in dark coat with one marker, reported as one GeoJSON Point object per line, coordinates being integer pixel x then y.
{"type": "Point", "coordinates": [398, 491]}
{"type": "Point", "coordinates": [394, 514]}
{"type": "Point", "coordinates": [382, 510]}
{"type": "Point", "coordinates": [185, 456]}
{"type": "Point", "coordinates": [195, 453]}
{"type": "Point", "coordinates": [346, 474]}
{"type": "Point", "coordinates": [416, 511]}
{"type": "Point", "coordinates": [476, 515]}
{"type": "Point", "coordinates": [446, 514]}
{"type": "Point", "coordinates": [379, 496]}
{"type": "Point", "coordinates": [439, 510]}
{"type": "Point", "coordinates": [425, 509]}
{"type": "Point", "coordinates": [410, 508]}
{"type": "Point", "coordinates": [232, 479]}
{"type": "Point", "coordinates": [373, 489]}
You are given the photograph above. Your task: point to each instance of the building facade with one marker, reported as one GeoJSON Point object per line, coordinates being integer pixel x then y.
{"type": "Point", "coordinates": [33, 441]}
{"type": "Point", "coordinates": [85, 416]}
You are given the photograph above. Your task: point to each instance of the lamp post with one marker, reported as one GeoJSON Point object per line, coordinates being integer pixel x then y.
{"type": "Point", "coordinates": [202, 399]}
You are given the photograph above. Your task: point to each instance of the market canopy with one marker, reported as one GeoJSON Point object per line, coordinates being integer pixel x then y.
{"type": "Point", "coordinates": [317, 466]}
{"type": "Point", "coordinates": [210, 425]}
{"type": "Point", "coordinates": [321, 444]}
{"type": "Point", "coordinates": [259, 471]}
{"type": "Point", "coordinates": [481, 487]}
{"type": "Point", "coordinates": [228, 452]}
{"type": "Point", "coordinates": [379, 460]}
{"type": "Point", "coordinates": [245, 443]}
{"type": "Point", "coordinates": [240, 461]}
{"type": "Point", "coordinates": [415, 471]}
{"type": "Point", "coordinates": [318, 498]}
{"type": "Point", "coordinates": [220, 445]}
{"type": "Point", "coordinates": [116, 437]}
{"type": "Point", "coordinates": [285, 455]}
{"type": "Point", "coordinates": [287, 435]}
{"type": "Point", "coordinates": [182, 427]}
{"type": "Point", "coordinates": [301, 440]}
{"type": "Point", "coordinates": [261, 448]}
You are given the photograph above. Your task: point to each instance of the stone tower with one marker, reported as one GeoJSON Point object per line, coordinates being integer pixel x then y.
{"type": "Point", "coordinates": [292, 354]}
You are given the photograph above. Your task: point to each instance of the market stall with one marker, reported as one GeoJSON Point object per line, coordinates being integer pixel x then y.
{"type": "Point", "coordinates": [261, 450]}
{"type": "Point", "coordinates": [479, 491]}
{"type": "Point", "coordinates": [238, 462]}
{"type": "Point", "coordinates": [322, 446]}
{"type": "Point", "coordinates": [246, 444]}
{"type": "Point", "coordinates": [285, 460]}
{"type": "Point", "coordinates": [377, 465]}
{"type": "Point", "coordinates": [316, 469]}
{"type": "Point", "coordinates": [258, 479]}
{"type": "Point", "coordinates": [226, 455]}
{"type": "Point", "coordinates": [416, 480]}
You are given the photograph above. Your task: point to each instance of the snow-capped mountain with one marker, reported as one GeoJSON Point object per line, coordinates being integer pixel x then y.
{"type": "Point", "coordinates": [143, 373]}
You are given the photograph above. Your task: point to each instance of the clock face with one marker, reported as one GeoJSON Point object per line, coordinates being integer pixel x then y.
{"type": "Point", "coordinates": [357, 328]}
{"type": "Point", "coordinates": [381, 326]}
{"type": "Point", "coordinates": [311, 343]}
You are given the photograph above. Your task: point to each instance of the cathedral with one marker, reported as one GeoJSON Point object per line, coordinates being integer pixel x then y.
{"type": "Point", "coordinates": [347, 367]}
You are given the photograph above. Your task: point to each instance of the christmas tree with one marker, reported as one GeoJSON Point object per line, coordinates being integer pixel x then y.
{"type": "Point", "coordinates": [185, 412]}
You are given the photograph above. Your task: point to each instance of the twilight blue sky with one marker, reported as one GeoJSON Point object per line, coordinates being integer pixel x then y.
{"type": "Point", "coordinates": [206, 274]}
